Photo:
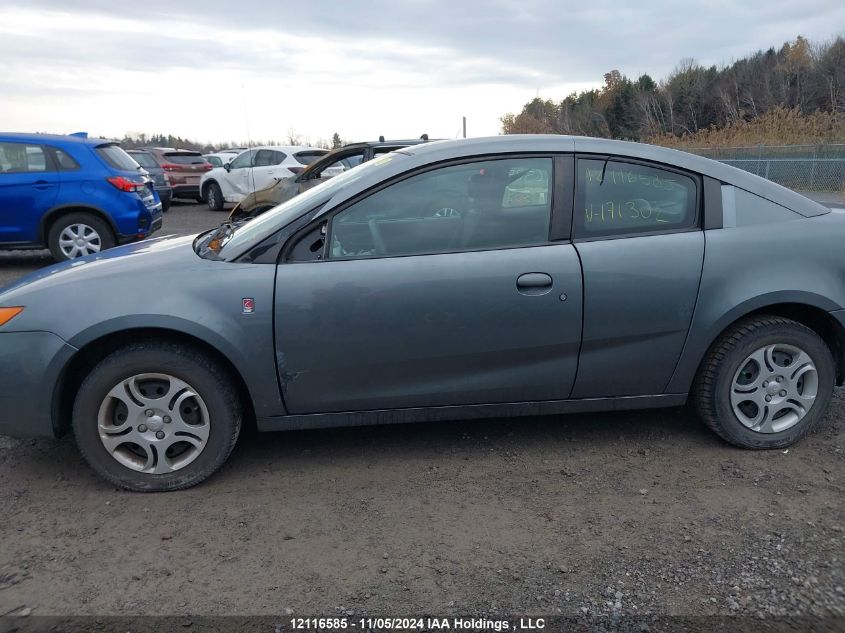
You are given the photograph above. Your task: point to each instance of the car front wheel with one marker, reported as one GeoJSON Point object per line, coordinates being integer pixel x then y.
{"type": "Point", "coordinates": [156, 416]}
{"type": "Point", "coordinates": [214, 197]}
{"type": "Point", "coordinates": [765, 383]}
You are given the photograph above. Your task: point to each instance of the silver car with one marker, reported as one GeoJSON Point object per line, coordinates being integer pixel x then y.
{"type": "Point", "coordinates": [564, 275]}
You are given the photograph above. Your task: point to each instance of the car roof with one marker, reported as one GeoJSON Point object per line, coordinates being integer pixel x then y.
{"type": "Point", "coordinates": [528, 143]}
{"type": "Point", "coordinates": [55, 138]}
{"type": "Point", "coordinates": [291, 148]}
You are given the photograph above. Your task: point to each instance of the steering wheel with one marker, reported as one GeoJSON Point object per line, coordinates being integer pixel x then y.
{"type": "Point", "coordinates": [378, 240]}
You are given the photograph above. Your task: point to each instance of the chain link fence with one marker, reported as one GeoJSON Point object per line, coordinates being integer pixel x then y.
{"type": "Point", "coordinates": [801, 167]}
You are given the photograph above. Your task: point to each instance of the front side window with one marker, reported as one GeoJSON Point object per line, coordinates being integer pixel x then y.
{"type": "Point", "coordinates": [473, 206]}
{"type": "Point", "coordinates": [615, 198]}
{"type": "Point", "coordinates": [243, 160]}
{"type": "Point", "coordinates": [20, 157]}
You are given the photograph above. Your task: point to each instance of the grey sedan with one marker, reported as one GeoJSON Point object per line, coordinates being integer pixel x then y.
{"type": "Point", "coordinates": [564, 275]}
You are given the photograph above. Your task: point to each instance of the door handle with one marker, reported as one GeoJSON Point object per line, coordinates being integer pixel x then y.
{"type": "Point", "coordinates": [534, 283]}
{"type": "Point", "coordinates": [42, 184]}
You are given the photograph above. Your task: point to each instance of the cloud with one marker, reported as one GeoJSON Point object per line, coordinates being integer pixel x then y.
{"type": "Point", "coordinates": [358, 64]}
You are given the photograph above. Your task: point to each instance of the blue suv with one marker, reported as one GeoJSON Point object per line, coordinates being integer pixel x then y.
{"type": "Point", "coordinates": [75, 195]}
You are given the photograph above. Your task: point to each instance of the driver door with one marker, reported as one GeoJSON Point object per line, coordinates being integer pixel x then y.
{"type": "Point", "coordinates": [413, 307]}
{"type": "Point", "coordinates": [239, 173]}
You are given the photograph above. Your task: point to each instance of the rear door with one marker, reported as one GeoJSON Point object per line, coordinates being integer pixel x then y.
{"type": "Point", "coordinates": [29, 184]}
{"type": "Point", "coordinates": [401, 306]}
{"type": "Point", "coordinates": [637, 231]}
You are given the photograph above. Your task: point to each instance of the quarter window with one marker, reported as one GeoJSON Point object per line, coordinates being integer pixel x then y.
{"type": "Point", "coordinates": [19, 157]}
{"type": "Point", "coordinates": [64, 160]}
{"type": "Point", "coordinates": [473, 206]}
{"type": "Point", "coordinates": [616, 198]}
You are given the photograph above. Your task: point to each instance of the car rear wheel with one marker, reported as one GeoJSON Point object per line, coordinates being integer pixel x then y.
{"type": "Point", "coordinates": [78, 234]}
{"type": "Point", "coordinates": [214, 196]}
{"type": "Point", "coordinates": [156, 417]}
{"type": "Point", "coordinates": [765, 383]}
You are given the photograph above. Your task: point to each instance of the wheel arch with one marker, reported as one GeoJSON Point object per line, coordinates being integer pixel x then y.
{"type": "Point", "coordinates": [55, 213]}
{"type": "Point", "coordinates": [813, 314]}
{"type": "Point", "coordinates": [96, 349]}
{"type": "Point", "coordinates": [207, 184]}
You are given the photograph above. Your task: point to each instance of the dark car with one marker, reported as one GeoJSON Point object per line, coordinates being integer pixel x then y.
{"type": "Point", "coordinates": [184, 169]}
{"type": "Point", "coordinates": [161, 181]}
{"type": "Point", "coordinates": [581, 275]}
{"type": "Point", "coordinates": [335, 162]}
{"type": "Point", "coordinates": [73, 194]}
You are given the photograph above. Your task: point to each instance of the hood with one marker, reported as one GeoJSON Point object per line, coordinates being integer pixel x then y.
{"type": "Point", "coordinates": [140, 259]}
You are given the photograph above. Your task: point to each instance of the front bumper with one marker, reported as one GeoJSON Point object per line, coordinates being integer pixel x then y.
{"type": "Point", "coordinates": [31, 365]}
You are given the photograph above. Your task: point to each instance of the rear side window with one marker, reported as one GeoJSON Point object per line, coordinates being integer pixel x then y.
{"type": "Point", "coordinates": [184, 158]}
{"type": "Point", "coordinates": [268, 157]}
{"type": "Point", "coordinates": [20, 157]}
{"type": "Point", "coordinates": [306, 158]}
{"type": "Point", "coordinates": [616, 198]}
{"type": "Point", "coordinates": [214, 160]}
{"type": "Point", "coordinates": [116, 157]}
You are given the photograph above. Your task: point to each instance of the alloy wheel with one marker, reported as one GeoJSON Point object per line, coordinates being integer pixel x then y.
{"type": "Point", "coordinates": [153, 423]}
{"type": "Point", "coordinates": [774, 388]}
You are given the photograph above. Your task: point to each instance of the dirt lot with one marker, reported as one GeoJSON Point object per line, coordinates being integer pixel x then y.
{"type": "Point", "coordinates": [618, 514]}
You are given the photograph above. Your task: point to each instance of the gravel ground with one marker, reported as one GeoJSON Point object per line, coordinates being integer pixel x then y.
{"type": "Point", "coordinates": [613, 515]}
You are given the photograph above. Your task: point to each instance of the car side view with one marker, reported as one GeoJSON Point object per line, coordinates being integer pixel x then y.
{"type": "Point", "coordinates": [255, 169]}
{"type": "Point", "coordinates": [72, 194]}
{"type": "Point", "coordinates": [571, 275]}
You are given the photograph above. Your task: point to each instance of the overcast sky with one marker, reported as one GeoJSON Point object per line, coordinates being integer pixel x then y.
{"type": "Point", "coordinates": [218, 70]}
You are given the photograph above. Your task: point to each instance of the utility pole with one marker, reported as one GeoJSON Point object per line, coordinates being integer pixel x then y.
{"type": "Point", "coordinates": [465, 127]}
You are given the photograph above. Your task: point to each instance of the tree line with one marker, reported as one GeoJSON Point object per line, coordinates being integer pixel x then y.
{"type": "Point", "coordinates": [800, 77]}
{"type": "Point", "coordinates": [135, 141]}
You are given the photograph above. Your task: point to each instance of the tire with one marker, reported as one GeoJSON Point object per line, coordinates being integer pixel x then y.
{"type": "Point", "coordinates": [165, 206]}
{"type": "Point", "coordinates": [730, 382]}
{"type": "Point", "coordinates": [199, 199]}
{"type": "Point", "coordinates": [214, 197]}
{"type": "Point", "coordinates": [135, 373]}
{"type": "Point", "coordinates": [94, 230]}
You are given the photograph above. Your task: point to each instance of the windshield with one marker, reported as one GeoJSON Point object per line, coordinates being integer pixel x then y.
{"type": "Point", "coordinates": [244, 235]}
{"type": "Point", "coordinates": [116, 157]}
{"type": "Point", "coordinates": [144, 160]}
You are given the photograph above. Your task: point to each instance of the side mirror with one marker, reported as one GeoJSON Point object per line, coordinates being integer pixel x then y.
{"type": "Point", "coordinates": [228, 166]}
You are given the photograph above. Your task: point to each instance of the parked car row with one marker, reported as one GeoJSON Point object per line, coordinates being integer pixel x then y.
{"type": "Point", "coordinates": [78, 196]}
{"type": "Point", "coordinates": [326, 166]}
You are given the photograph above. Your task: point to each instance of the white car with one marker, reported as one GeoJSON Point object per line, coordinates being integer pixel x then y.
{"type": "Point", "coordinates": [218, 159]}
{"type": "Point", "coordinates": [255, 169]}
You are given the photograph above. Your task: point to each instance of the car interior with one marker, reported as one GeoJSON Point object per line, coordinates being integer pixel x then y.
{"type": "Point", "coordinates": [467, 207]}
